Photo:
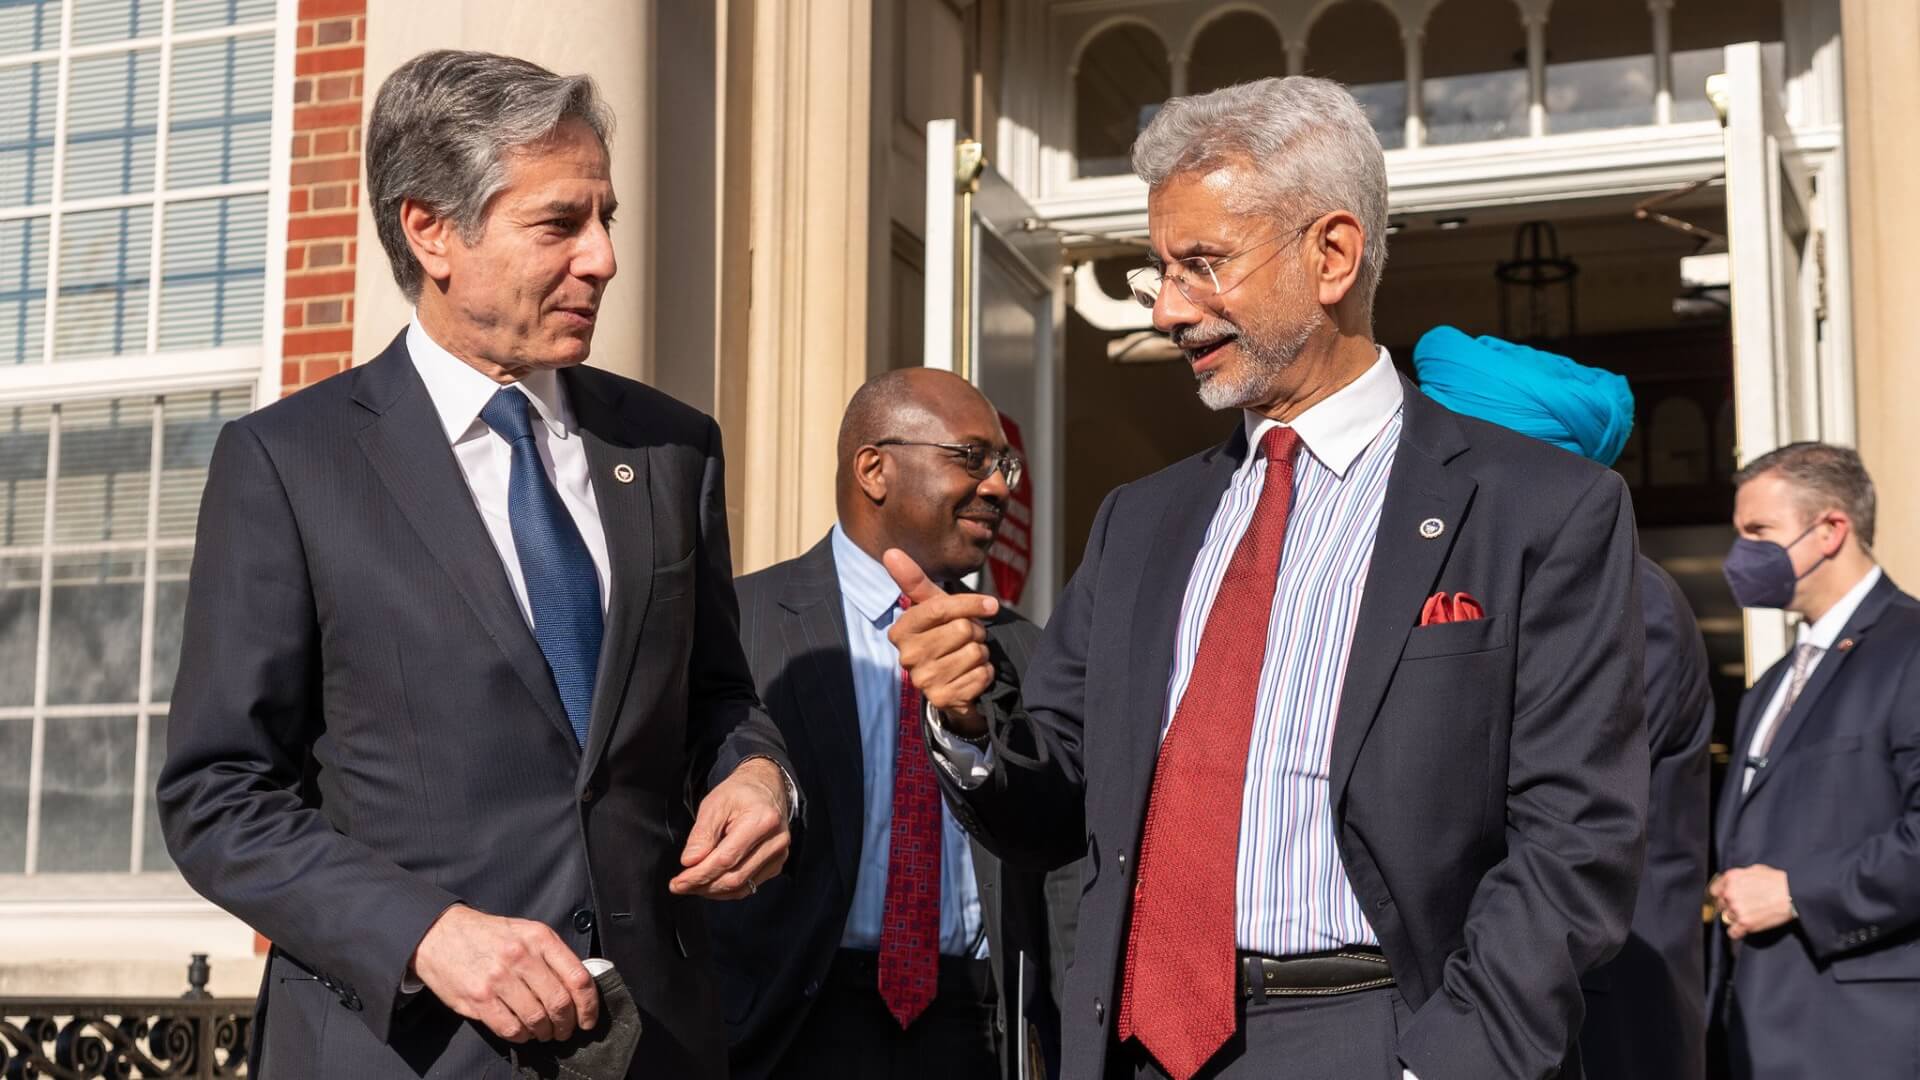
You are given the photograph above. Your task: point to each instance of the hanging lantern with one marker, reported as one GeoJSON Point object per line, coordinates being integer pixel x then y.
{"type": "Point", "coordinates": [1537, 287]}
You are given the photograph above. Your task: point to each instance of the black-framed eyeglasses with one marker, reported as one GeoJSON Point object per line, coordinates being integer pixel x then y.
{"type": "Point", "coordinates": [1198, 276]}
{"type": "Point", "coordinates": [977, 459]}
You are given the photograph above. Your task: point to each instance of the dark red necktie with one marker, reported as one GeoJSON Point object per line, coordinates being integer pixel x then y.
{"type": "Point", "coordinates": [910, 922]}
{"type": "Point", "coordinates": [1178, 995]}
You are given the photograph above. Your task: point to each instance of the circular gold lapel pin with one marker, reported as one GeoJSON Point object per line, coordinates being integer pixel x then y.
{"type": "Point", "coordinates": [623, 472]}
{"type": "Point", "coordinates": [1431, 528]}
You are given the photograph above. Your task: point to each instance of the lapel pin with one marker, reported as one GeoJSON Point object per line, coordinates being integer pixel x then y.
{"type": "Point", "coordinates": [1845, 644]}
{"type": "Point", "coordinates": [1431, 528]}
{"type": "Point", "coordinates": [623, 472]}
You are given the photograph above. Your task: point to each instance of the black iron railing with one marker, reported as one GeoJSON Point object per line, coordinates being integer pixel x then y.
{"type": "Point", "coordinates": [72, 1038]}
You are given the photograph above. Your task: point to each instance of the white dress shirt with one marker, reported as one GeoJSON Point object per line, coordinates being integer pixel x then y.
{"type": "Point", "coordinates": [459, 392]}
{"type": "Point", "coordinates": [1821, 634]}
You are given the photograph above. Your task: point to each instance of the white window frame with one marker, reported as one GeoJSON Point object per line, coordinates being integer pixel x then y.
{"type": "Point", "coordinates": [152, 370]}
{"type": "Point", "coordinates": [149, 373]}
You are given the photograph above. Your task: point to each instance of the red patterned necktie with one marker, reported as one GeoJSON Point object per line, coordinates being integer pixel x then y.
{"type": "Point", "coordinates": [1178, 997]}
{"type": "Point", "coordinates": [910, 923]}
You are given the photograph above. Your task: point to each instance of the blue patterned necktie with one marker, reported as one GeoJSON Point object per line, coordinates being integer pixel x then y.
{"type": "Point", "coordinates": [563, 588]}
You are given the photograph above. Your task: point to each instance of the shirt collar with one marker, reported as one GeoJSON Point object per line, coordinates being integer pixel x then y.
{"type": "Point", "coordinates": [1824, 631]}
{"type": "Point", "coordinates": [1336, 429]}
{"type": "Point", "coordinates": [863, 580]}
{"type": "Point", "coordinates": [459, 391]}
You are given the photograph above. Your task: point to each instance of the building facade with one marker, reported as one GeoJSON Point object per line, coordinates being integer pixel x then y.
{"type": "Point", "coordinates": [182, 230]}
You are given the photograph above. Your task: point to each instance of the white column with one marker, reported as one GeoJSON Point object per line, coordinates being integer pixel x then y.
{"type": "Point", "coordinates": [1662, 12]}
{"type": "Point", "coordinates": [1536, 74]}
{"type": "Point", "coordinates": [1416, 89]}
{"type": "Point", "coordinates": [1177, 64]}
{"type": "Point", "coordinates": [1297, 57]}
{"type": "Point", "coordinates": [810, 223]}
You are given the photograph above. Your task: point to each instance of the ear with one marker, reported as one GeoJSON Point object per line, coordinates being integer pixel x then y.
{"type": "Point", "coordinates": [1338, 242]}
{"type": "Point", "coordinates": [870, 472]}
{"type": "Point", "coordinates": [1839, 530]}
{"type": "Point", "coordinates": [431, 237]}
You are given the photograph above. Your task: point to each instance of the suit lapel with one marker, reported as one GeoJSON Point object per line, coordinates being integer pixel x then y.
{"type": "Point", "coordinates": [1823, 675]}
{"type": "Point", "coordinates": [622, 492]}
{"type": "Point", "coordinates": [1733, 798]}
{"type": "Point", "coordinates": [1178, 534]}
{"type": "Point", "coordinates": [813, 628]}
{"type": "Point", "coordinates": [408, 450]}
{"type": "Point", "coordinates": [1404, 568]}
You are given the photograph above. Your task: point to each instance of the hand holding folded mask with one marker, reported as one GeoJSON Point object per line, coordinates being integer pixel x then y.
{"type": "Point", "coordinates": [603, 1052]}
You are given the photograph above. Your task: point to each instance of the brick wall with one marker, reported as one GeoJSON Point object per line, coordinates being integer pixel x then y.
{"type": "Point", "coordinates": [330, 55]}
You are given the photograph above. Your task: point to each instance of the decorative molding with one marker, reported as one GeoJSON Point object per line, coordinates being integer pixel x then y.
{"type": "Point", "coordinates": [1516, 172]}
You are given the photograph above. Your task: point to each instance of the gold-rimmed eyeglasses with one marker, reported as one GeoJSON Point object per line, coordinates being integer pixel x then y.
{"type": "Point", "coordinates": [978, 460]}
{"type": "Point", "coordinates": [1198, 277]}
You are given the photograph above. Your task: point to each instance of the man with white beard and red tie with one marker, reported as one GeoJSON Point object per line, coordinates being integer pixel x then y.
{"type": "Point", "coordinates": [1344, 713]}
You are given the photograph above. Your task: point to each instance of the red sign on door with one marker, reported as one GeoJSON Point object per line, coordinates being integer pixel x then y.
{"type": "Point", "coordinates": [1012, 551]}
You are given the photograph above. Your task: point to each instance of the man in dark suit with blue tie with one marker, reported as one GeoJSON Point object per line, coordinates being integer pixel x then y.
{"type": "Point", "coordinates": [810, 968]}
{"type": "Point", "coordinates": [1817, 973]}
{"type": "Point", "coordinates": [461, 698]}
{"type": "Point", "coordinates": [1344, 713]}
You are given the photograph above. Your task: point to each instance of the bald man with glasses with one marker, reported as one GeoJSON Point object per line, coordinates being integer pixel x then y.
{"type": "Point", "coordinates": [893, 945]}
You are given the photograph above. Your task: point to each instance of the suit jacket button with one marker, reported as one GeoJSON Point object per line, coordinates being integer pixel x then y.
{"type": "Point", "coordinates": [351, 1000]}
{"type": "Point", "coordinates": [813, 988]}
{"type": "Point", "coordinates": [588, 795]}
{"type": "Point", "coordinates": [1099, 1012]}
{"type": "Point", "coordinates": [583, 920]}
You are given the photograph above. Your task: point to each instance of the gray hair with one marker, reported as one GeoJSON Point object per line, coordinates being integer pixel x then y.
{"type": "Point", "coordinates": [1823, 477]}
{"type": "Point", "coordinates": [441, 131]}
{"type": "Point", "coordinates": [1308, 137]}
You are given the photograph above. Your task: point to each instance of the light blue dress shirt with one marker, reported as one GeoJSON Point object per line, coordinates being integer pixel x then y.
{"type": "Point", "coordinates": [870, 599]}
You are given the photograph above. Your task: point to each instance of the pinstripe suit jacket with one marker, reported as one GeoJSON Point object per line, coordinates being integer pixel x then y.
{"type": "Point", "coordinates": [364, 730]}
{"type": "Point", "coordinates": [1489, 778]}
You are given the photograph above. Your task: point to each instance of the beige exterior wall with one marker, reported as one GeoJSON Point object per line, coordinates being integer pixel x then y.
{"type": "Point", "coordinates": [1882, 60]}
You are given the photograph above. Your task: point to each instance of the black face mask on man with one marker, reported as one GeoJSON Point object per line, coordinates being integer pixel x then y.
{"type": "Point", "coordinates": [1760, 572]}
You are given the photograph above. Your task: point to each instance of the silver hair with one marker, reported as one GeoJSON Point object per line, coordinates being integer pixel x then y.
{"type": "Point", "coordinates": [1823, 477]}
{"type": "Point", "coordinates": [442, 129]}
{"type": "Point", "coordinates": [1308, 138]}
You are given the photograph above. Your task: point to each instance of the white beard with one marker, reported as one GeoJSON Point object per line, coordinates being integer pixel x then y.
{"type": "Point", "coordinates": [1261, 363]}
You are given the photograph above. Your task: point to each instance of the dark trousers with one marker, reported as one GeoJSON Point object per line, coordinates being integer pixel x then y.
{"type": "Point", "coordinates": [1343, 1037]}
{"type": "Point", "coordinates": [850, 1035]}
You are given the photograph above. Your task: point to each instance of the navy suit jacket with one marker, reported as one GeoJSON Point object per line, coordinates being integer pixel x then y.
{"type": "Point", "coordinates": [1489, 778]}
{"type": "Point", "coordinates": [773, 950]}
{"type": "Point", "coordinates": [1646, 1018]}
{"type": "Point", "coordinates": [364, 730]}
{"type": "Point", "coordinates": [1838, 808]}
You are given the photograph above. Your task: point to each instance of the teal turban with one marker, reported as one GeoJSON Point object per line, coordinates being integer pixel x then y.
{"type": "Point", "coordinates": [1542, 394]}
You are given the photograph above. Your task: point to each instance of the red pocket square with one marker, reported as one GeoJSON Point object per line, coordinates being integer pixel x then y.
{"type": "Point", "coordinates": [1441, 608]}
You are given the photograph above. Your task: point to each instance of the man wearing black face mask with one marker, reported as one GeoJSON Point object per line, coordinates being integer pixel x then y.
{"type": "Point", "coordinates": [1818, 971]}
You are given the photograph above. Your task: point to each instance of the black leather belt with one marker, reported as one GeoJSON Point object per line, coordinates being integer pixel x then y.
{"type": "Point", "coordinates": [1338, 971]}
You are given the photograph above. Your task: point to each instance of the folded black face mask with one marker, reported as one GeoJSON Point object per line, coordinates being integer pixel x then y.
{"type": "Point", "coordinates": [605, 1053]}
